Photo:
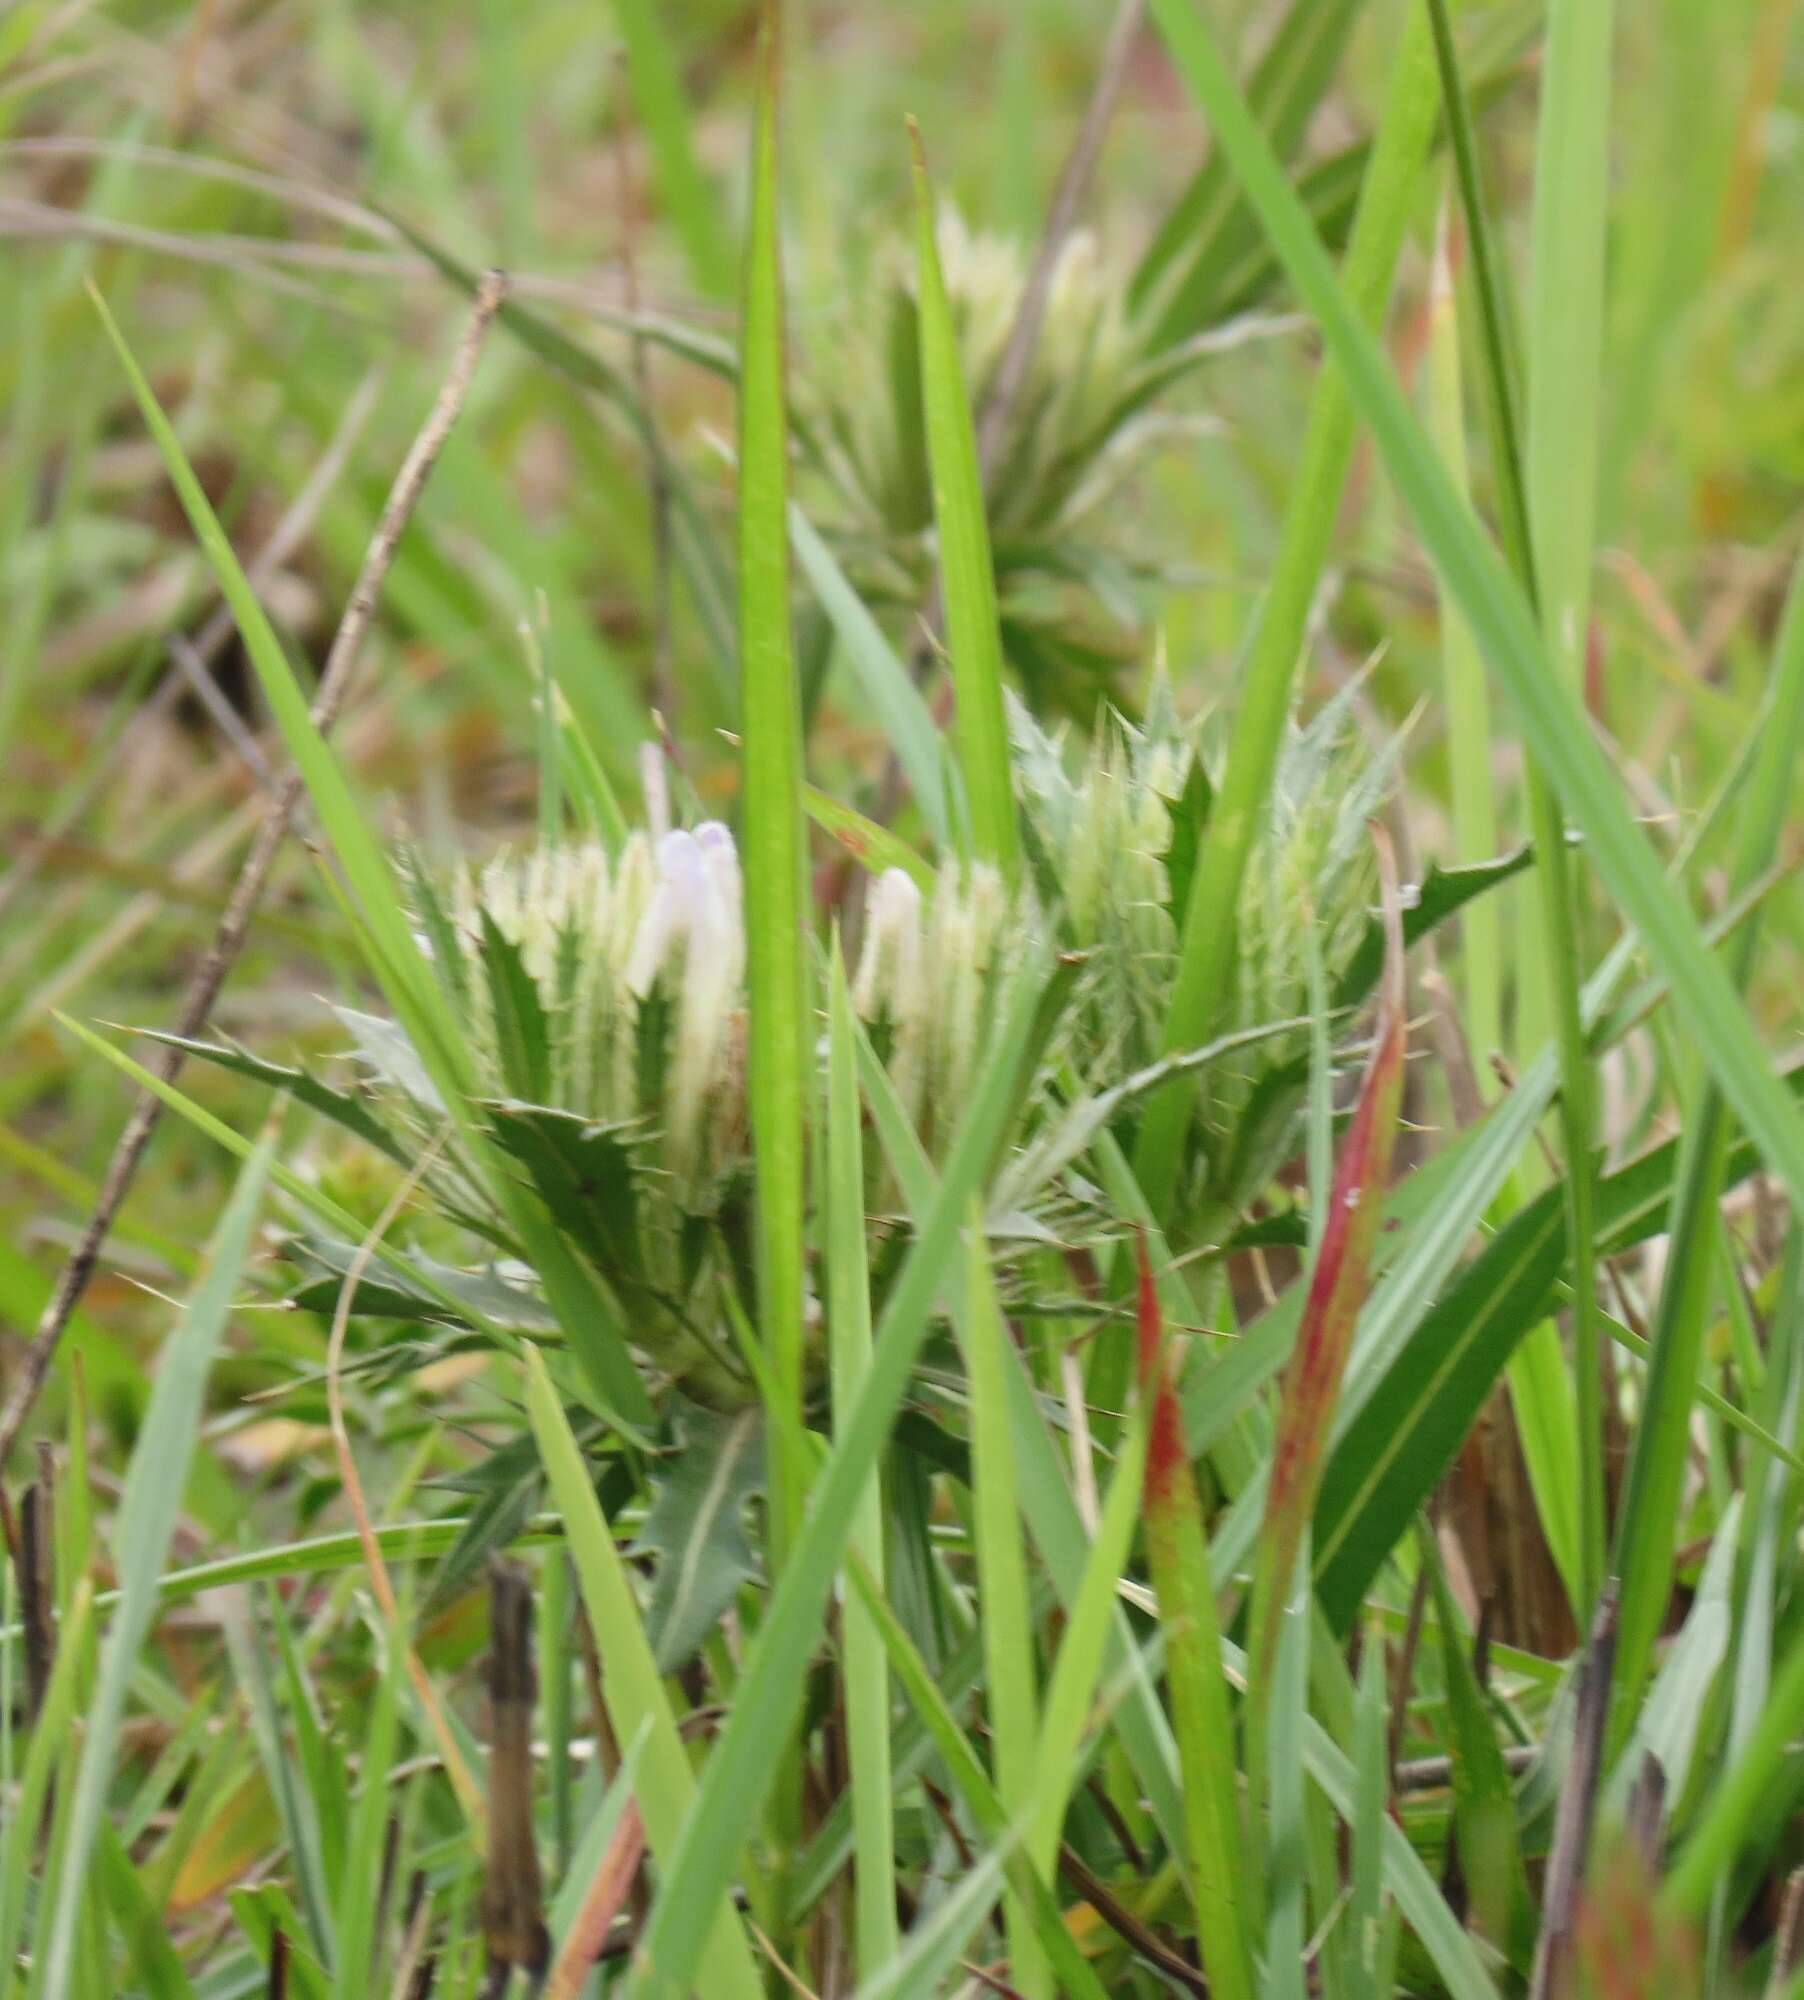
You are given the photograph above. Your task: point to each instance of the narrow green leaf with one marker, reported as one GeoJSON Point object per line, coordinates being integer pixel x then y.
{"type": "Point", "coordinates": [1001, 1834]}
{"type": "Point", "coordinates": [967, 574]}
{"type": "Point", "coordinates": [1337, 1289]}
{"type": "Point", "coordinates": [638, 1705]}
{"type": "Point", "coordinates": [849, 1337]}
{"type": "Point", "coordinates": [775, 836]}
{"type": "Point", "coordinates": [690, 202]}
{"type": "Point", "coordinates": [886, 683]}
{"type": "Point", "coordinates": [1012, 1696]}
{"type": "Point", "coordinates": [148, 1510]}
{"type": "Point", "coordinates": [873, 847]}
{"type": "Point", "coordinates": [1178, 1557]}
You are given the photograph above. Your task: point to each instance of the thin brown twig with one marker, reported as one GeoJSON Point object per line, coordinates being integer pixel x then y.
{"type": "Point", "coordinates": [228, 940]}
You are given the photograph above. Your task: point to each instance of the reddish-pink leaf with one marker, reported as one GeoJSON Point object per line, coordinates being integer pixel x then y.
{"type": "Point", "coordinates": [1337, 1289]}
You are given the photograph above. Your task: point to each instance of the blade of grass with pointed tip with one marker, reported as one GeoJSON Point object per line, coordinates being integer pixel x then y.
{"type": "Point", "coordinates": [1661, 1447]}
{"type": "Point", "coordinates": [775, 837]}
{"type": "Point", "coordinates": [1072, 1685]}
{"type": "Point", "coordinates": [1470, 789]}
{"type": "Point", "coordinates": [1548, 712]}
{"type": "Point", "coordinates": [1178, 1559]}
{"type": "Point", "coordinates": [1011, 1698]}
{"type": "Point", "coordinates": [849, 1336]}
{"type": "Point", "coordinates": [774, 1680]}
{"type": "Point", "coordinates": [638, 1705]}
{"type": "Point", "coordinates": [1337, 1290]}
{"type": "Point", "coordinates": [366, 868]}
{"type": "Point", "coordinates": [1206, 958]}
{"type": "Point", "coordinates": [967, 574]}
{"type": "Point", "coordinates": [148, 1510]}
{"type": "Point", "coordinates": [691, 204]}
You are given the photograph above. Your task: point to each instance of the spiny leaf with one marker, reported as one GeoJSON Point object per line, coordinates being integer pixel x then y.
{"type": "Point", "coordinates": [522, 1033]}
{"type": "Point", "coordinates": [338, 1105]}
{"type": "Point", "coordinates": [696, 1523]}
{"type": "Point", "coordinates": [584, 1175]}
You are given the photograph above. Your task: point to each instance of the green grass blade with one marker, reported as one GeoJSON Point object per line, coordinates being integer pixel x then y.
{"type": "Point", "coordinates": [1560, 479]}
{"type": "Point", "coordinates": [637, 1702]}
{"type": "Point", "coordinates": [148, 1510]}
{"type": "Point", "coordinates": [49, 1738]}
{"type": "Point", "coordinates": [775, 832]}
{"type": "Point", "coordinates": [1178, 1558]}
{"type": "Point", "coordinates": [967, 574]}
{"type": "Point", "coordinates": [1011, 1696]}
{"type": "Point", "coordinates": [1072, 1684]}
{"type": "Point", "coordinates": [1546, 710]}
{"type": "Point", "coordinates": [690, 201]}
{"type": "Point", "coordinates": [1206, 960]}
{"type": "Point", "coordinates": [1469, 782]}
{"type": "Point", "coordinates": [849, 1334]}
{"type": "Point", "coordinates": [771, 1688]}
{"type": "Point", "coordinates": [360, 1885]}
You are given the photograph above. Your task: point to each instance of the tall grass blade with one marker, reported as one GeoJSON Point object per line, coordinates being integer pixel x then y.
{"type": "Point", "coordinates": [849, 1333]}
{"type": "Point", "coordinates": [690, 201]}
{"type": "Point", "coordinates": [148, 1511]}
{"type": "Point", "coordinates": [775, 830]}
{"type": "Point", "coordinates": [1337, 1289]}
{"type": "Point", "coordinates": [1011, 1695]}
{"type": "Point", "coordinates": [1178, 1558]}
{"type": "Point", "coordinates": [637, 1702]}
{"type": "Point", "coordinates": [967, 574]}
{"type": "Point", "coordinates": [1471, 791]}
